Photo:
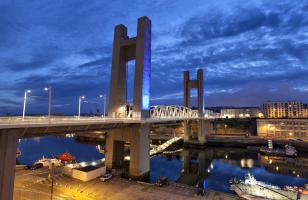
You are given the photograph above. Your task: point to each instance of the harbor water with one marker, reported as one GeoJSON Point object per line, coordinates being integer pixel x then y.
{"type": "Point", "coordinates": [213, 167]}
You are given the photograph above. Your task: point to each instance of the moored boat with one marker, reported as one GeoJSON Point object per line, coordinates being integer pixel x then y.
{"type": "Point", "coordinates": [47, 162]}
{"type": "Point", "coordinates": [288, 151]}
{"type": "Point", "coordinates": [252, 189]}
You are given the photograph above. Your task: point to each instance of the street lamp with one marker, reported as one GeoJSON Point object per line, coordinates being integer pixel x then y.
{"type": "Point", "coordinates": [48, 89]}
{"type": "Point", "coordinates": [79, 104]}
{"type": "Point", "coordinates": [103, 96]}
{"type": "Point", "coordinates": [25, 100]}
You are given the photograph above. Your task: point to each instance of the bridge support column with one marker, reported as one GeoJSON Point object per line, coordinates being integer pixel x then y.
{"type": "Point", "coordinates": [139, 165]}
{"type": "Point", "coordinates": [201, 132]}
{"type": "Point", "coordinates": [186, 161]}
{"type": "Point", "coordinates": [138, 136]}
{"type": "Point", "coordinates": [8, 146]}
{"type": "Point", "coordinates": [114, 153]}
{"type": "Point", "coordinates": [187, 128]}
{"type": "Point", "coordinates": [198, 84]}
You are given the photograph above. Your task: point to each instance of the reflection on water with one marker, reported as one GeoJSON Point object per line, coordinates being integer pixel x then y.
{"type": "Point", "coordinates": [213, 166]}
{"type": "Point", "coordinates": [216, 166]}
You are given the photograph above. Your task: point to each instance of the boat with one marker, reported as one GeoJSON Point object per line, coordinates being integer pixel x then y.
{"type": "Point", "coordinates": [252, 189]}
{"type": "Point", "coordinates": [46, 162]}
{"type": "Point", "coordinates": [288, 150]}
{"type": "Point", "coordinates": [18, 153]}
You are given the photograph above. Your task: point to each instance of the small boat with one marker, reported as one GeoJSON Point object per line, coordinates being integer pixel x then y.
{"type": "Point", "coordinates": [46, 162]}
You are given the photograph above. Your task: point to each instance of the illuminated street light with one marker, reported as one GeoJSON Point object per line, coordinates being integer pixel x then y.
{"type": "Point", "coordinates": [79, 104]}
{"type": "Point", "coordinates": [103, 96]}
{"type": "Point", "coordinates": [25, 101]}
{"type": "Point", "coordinates": [48, 89]}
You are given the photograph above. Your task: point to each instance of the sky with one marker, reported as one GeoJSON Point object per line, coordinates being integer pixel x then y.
{"type": "Point", "coordinates": [251, 51]}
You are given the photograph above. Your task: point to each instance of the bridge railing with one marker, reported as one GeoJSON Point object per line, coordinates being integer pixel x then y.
{"type": "Point", "coordinates": [167, 112]}
{"type": "Point", "coordinates": [53, 119]}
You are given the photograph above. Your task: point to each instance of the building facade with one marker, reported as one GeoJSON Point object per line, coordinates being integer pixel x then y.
{"type": "Point", "coordinates": [306, 110]}
{"type": "Point", "coordinates": [240, 113]}
{"type": "Point", "coordinates": [283, 110]}
{"type": "Point", "coordinates": [283, 128]}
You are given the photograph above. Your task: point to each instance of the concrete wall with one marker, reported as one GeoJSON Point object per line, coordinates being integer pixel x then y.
{"type": "Point", "coordinates": [87, 176]}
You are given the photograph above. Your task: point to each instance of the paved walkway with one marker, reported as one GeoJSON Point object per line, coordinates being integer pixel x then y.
{"type": "Point", "coordinates": [27, 183]}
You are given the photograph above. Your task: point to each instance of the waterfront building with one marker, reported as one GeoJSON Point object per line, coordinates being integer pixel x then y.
{"type": "Point", "coordinates": [247, 112]}
{"type": "Point", "coordinates": [306, 110]}
{"type": "Point", "coordinates": [208, 113]}
{"type": "Point", "coordinates": [283, 128]}
{"type": "Point", "coordinates": [292, 109]}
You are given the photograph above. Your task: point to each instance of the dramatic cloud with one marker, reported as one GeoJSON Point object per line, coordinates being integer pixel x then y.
{"type": "Point", "coordinates": [251, 51]}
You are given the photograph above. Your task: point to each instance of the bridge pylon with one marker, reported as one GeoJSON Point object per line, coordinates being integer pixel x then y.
{"type": "Point", "coordinates": [188, 85]}
{"type": "Point", "coordinates": [126, 49]}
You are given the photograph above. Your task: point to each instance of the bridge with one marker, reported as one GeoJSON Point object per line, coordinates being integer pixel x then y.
{"type": "Point", "coordinates": [158, 114]}
{"type": "Point", "coordinates": [122, 125]}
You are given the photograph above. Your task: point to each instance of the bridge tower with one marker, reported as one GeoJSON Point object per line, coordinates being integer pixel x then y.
{"type": "Point", "coordinates": [189, 84]}
{"type": "Point", "coordinates": [124, 50]}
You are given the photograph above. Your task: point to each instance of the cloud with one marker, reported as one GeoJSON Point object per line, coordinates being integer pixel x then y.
{"type": "Point", "coordinates": [242, 47]}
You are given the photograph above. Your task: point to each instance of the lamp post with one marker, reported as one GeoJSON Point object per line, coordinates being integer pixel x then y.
{"type": "Point", "coordinates": [79, 104]}
{"type": "Point", "coordinates": [48, 89]}
{"type": "Point", "coordinates": [103, 96]}
{"type": "Point", "coordinates": [25, 102]}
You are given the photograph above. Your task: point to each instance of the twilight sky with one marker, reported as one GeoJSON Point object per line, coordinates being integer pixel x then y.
{"type": "Point", "coordinates": [251, 51]}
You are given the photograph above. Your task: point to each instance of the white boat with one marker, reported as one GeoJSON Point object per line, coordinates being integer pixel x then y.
{"type": "Point", "coordinates": [251, 189]}
{"type": "Point", "coordinates": [46, 162]}
{"type": "Point", "coordinates": [289, 151]}
{"type": "Point", "coordinates": [18, 153]}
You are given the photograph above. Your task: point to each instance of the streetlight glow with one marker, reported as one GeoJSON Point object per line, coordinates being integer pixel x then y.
{"type": "Point", "coordinates": [27, 91]}
{"type": "Point", "coordinates": [48, 89]}
{"type": "Point", "coordinates": [103, 96]}
{"type": "Point", "coordinates": [79, 104]}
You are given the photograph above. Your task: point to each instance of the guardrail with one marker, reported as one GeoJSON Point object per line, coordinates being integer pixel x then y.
{"type": "Point", "coordinates": [83, 119]}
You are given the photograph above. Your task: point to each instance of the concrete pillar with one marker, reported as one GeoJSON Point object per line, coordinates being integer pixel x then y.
{"type": "Point", "coordinates": [202, 164]}
{"type": "Point", "coordinates": [109, 151]}
{"type": "Point", "coordinates": [201, 131]}
{"type": "Point", "coordinates": [187, 128]}
{"type": "Point", "coordinates": [114, 156]}
{"type": "Point", "coordinates": [186, 89]}
{"type": "Point", "coordinates": [139, 151]}
{"type": "Point", "coordinates": [186, 161]}
{"type": "Point", "coordinates": [200, 92]}
{"type": "Point", "coordinates": [208, 127]}
{"type": "Point", "coordinates": [8, 146]}
{"type": "Point", "coordinates": [117, 96]}
{"type": "Point", "coordinates": [142, 80]}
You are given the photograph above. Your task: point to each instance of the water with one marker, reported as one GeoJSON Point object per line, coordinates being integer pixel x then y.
{"type": "Point", "coordinates": [33, 149]}
{"type": "Point", "coordinates": [213, 167]}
